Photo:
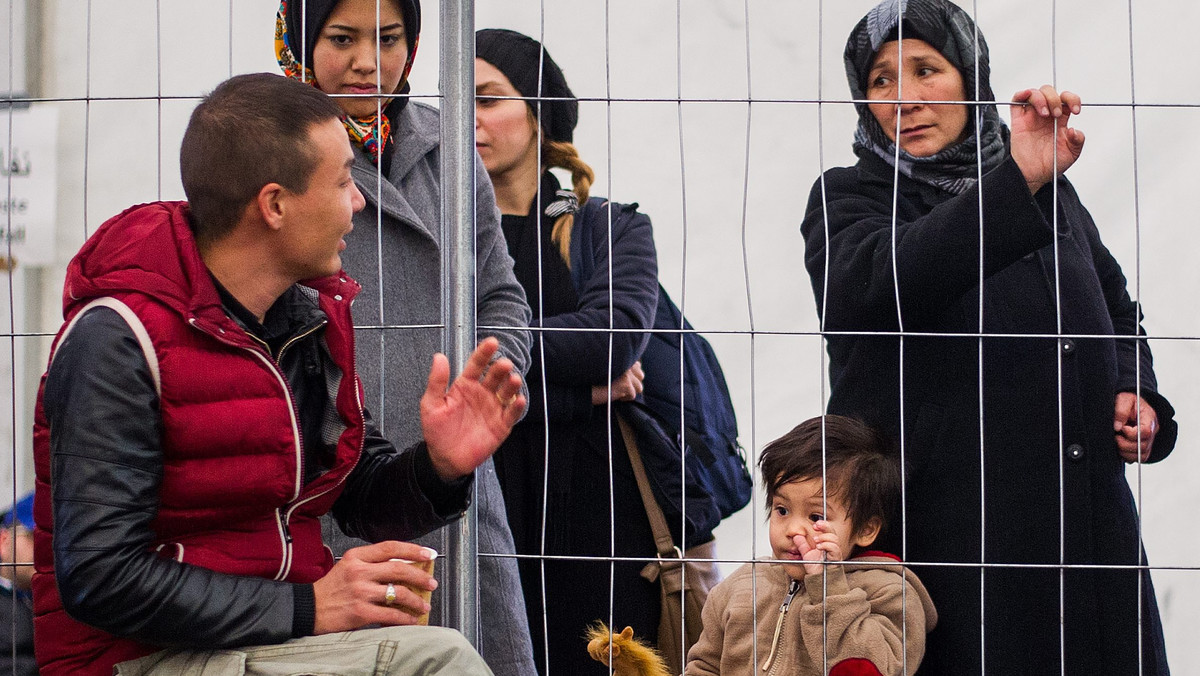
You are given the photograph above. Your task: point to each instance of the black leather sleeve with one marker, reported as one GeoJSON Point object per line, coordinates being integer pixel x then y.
{"type": "Point", "coordinates": [394, 495]}
{"type": "Point", "coordinates": [106, 464]}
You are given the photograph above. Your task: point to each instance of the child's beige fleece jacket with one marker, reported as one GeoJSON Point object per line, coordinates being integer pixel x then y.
{"type": "Point", "coordinates": [852, 624]}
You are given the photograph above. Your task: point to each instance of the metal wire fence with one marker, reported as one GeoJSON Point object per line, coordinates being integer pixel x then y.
{"type": "Point", "coordinates": [715, 116]}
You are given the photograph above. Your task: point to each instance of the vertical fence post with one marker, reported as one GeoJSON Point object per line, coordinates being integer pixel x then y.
{"type": "Point", "coordinates": [458, 270]}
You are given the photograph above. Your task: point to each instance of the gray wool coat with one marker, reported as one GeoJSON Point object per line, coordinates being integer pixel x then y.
{"type": "Point", "coordinates": [394, 252]}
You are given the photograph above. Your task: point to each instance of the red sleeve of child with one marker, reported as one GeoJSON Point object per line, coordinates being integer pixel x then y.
{"type": "Point", "coordinates": [855, 666]}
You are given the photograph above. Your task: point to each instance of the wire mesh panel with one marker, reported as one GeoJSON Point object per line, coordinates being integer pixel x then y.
{"type": "Point", "coordinates": [716, 118]}
{"type": "Point", "coordinates": [1031, 44]}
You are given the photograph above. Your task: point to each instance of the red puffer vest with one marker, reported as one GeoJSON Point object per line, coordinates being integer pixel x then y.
{"type": "Point", "coordinates": [231, 498]}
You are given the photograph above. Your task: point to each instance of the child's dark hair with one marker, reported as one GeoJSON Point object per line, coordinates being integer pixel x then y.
{"type": "Point", "coordinates": [860, 466]}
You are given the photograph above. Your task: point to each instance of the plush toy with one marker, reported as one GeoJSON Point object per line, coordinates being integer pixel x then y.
{"type": "Point", "coordinates": [630, 656]}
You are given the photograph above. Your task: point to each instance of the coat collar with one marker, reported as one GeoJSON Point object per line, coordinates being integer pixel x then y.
{"type": "Point", "coordinates": [417, 135]}
{"type": "Point", "coordinates": [418, 132]}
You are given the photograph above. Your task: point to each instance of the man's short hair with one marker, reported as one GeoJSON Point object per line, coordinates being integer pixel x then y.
{"type": "Point", "coordinates": [860, 466]}
{"type": "Point", "coordinates": [250, 131]}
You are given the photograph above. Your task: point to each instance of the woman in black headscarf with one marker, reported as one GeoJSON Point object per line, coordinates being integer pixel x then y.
{"type": "Point", "coordinates": [360, 52]}
{"type": "Point", "coordinates": [1019, 385]}
{"type": "Point", "coordinates": [589, 269]}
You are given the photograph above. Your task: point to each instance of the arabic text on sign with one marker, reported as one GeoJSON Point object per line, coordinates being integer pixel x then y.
{"type": "Point", "coordinates": [15, 163]}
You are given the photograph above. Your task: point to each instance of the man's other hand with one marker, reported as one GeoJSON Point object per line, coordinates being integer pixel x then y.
{"type": "Point", "coordinates": [353, 593]}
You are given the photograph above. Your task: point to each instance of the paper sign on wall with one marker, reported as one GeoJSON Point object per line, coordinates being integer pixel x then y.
{"type": "Point", "coordinates": [28, 182]}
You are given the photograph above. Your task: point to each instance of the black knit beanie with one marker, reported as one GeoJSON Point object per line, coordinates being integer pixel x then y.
{"type": "Point", "coordinates": [307, 17]}
{"type": "Point", "coordinates": [516, 56]}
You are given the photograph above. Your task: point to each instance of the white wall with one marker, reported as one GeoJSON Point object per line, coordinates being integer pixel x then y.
{"type": "Point", "coordinates": [724, 182]}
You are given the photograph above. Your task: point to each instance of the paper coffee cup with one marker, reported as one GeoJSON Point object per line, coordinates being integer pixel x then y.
{"type": "Point", "coordinates": [425, 594]}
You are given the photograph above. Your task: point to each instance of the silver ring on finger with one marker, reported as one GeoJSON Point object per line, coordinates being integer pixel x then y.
{"type": "Point", "coordinates": [389, 596]}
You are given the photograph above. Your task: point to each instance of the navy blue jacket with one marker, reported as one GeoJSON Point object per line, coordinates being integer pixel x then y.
{"type": "Point", "coordinates": [579, 358]}
{"type": "Point", "coordinates": [574, 350]}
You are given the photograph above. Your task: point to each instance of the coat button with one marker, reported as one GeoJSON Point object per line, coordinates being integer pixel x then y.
{"type": "Point", "coordinates": [1075, 452]}
{"type": "Point", "coordinates": [1068, 346]}
{"type": "Point", "coordinates": [338, 297]}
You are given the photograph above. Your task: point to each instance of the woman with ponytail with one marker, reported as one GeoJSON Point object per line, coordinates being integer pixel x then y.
{"type": "Point", "coordinates": [360, 52]}
{"type": "Point", "coordinates": [589, 269]}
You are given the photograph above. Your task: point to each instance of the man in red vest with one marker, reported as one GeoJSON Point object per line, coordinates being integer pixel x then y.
{"type": "Point", "coordinates": [201, 410]}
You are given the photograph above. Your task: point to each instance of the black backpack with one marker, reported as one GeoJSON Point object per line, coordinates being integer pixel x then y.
{"type": "Point", "coordinates": [717, 481]}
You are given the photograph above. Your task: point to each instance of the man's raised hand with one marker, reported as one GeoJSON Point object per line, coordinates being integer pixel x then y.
{"type": "Point", "coordinates": [465, 423]}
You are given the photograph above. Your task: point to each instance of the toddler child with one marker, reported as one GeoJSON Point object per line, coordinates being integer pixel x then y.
{"type": "Point", "coordinates": [832, 485]}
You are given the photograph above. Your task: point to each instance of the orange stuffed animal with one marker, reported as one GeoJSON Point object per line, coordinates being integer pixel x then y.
{"type": "Point", "coordinates": [630, 656]}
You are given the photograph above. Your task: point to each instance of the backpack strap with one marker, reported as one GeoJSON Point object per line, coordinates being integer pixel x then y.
{"type": "Point", "coordinates": [582, 260]}
{"type": "Point", "coordinates": [583, 235]}
{"type": "Point", "coordinates": [135, 325]}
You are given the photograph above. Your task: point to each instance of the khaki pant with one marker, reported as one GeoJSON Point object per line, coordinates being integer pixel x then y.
{"type": "Point", "coordinates": [389, 651]}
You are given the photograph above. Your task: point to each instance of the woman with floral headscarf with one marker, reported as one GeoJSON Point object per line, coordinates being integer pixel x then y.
{"type": "Point", "coordinates": [360, 52]}
{"type": "Point", "coordinates": [974, 311]}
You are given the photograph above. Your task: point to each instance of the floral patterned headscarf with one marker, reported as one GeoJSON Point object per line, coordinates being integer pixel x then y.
{"type": "Point", "coordinates": [371, 133]}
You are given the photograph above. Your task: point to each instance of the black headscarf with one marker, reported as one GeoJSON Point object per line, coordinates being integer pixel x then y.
{"type": "Point", "coordinates": [307, 17]}
{"type": "Point", "coordinates": [517, 55]}
{"type": "Point", "coordinates": [950, 31]}
{"type": "Point", "coordinates": [298, 26]}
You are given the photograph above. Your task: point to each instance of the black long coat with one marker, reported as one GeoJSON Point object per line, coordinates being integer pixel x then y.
{"type": "Point", "coordinates": [1033, 485]}
{"type": "Point", "coordinates": [574, 350]}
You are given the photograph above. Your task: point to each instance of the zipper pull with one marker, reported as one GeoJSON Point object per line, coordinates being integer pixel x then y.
{"type": "Point", "coordinates": [793, 587]}
{"type": "Point", "coordinates": [287, 532]}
